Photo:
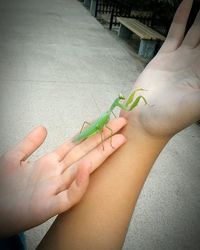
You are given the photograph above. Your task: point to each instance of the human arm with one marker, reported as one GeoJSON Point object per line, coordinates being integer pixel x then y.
{"type": "Point", "coordinates": [101, 220]}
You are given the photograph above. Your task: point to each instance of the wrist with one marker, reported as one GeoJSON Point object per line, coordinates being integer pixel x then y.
{"type": "Point", "coordinates": [140, 136]}
{"type": "Point", "coordinates": [143, 121]}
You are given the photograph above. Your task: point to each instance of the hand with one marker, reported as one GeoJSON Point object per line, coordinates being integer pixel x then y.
{"type": "Point", "coordinates": [172, 79]}
{"type": "Point", "coordinates": [32, 192]}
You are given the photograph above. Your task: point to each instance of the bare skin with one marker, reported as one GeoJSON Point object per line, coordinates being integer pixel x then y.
{"type": "Point", "coordinates": [101, 219]}
{"type": "Point", "coordinates": [33, 192]}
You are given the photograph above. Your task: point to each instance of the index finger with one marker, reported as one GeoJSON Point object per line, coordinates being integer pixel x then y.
{"type": "Point", "coordinates": [177, 30]}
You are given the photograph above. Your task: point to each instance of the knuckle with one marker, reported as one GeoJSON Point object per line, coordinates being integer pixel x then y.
{"type": "Point", "coordinates": [82, 164]}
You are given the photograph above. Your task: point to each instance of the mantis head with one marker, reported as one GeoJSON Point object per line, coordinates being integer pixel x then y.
{"type": "Point", "coordinates": [121, 97]}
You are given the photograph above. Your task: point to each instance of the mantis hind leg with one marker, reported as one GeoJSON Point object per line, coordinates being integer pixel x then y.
{"type": "Point", "coordinates": [84, 125]}
{"type": "Point", "coordinates": [110, 136]}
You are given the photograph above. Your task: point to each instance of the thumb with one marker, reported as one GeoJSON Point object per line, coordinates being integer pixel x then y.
{"type": "Point", "coordinates": [30, 143]}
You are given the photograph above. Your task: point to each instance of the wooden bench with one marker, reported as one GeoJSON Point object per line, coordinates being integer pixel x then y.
{"type": "Point", "coordinates": [93, 7]}
{"type": "Point", "coordinates": [148, 37]}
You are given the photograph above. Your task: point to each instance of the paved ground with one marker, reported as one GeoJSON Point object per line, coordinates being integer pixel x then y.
{"type": "Point", "coordinates": [59, 66]}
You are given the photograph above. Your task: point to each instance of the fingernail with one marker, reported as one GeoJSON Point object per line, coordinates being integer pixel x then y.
{"type": "Point", "coordinates": [122, 138]}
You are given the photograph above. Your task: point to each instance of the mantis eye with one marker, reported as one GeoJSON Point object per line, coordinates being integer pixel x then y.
{"type": "Point", "coordinates": [121, 97]}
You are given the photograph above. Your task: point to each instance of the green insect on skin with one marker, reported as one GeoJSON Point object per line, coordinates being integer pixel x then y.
{"type": "Point", "coordinates": [101, 122]}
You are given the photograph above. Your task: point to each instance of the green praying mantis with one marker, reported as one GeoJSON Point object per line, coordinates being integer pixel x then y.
{"type": "Point", "coordinates": [101, 122]}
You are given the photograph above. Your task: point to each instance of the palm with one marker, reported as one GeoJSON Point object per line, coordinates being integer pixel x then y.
{"type": "Point", "coordinates": [41, 183]}
{"type": "Point", "coordinates": [31, 188]}
{"type": "Point", "coordinates": [172, 79]}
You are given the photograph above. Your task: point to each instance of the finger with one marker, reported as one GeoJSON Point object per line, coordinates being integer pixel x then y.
{"type": "Point", "coordinates": [30, 143]}
{"type": "Point", "coordinates": [63, 149]}
{"type": "Point", "coordinates": [91, 161]}
{"type": "Point", "coordinates": [68, 198]}
{"type": "Point", "coordinates": [99, 154]}
{"type": "Point", "coordinates": [177, 30]}
{"type": "Point", "coordinates": [192, 38]}
{"type": "Point", "coordinates": [67, 177]}
{"type": "Point", "coordinates": [84, 147]}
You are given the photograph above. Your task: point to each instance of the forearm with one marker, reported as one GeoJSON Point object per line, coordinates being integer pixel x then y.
{"type": "Point", "coordinates": [101, 219]}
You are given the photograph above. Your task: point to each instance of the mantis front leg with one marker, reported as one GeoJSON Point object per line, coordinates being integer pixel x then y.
{"type": "Point", "coordinates": [135, 103]}
{"type": "Point", "coordinates": [131, 97]}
